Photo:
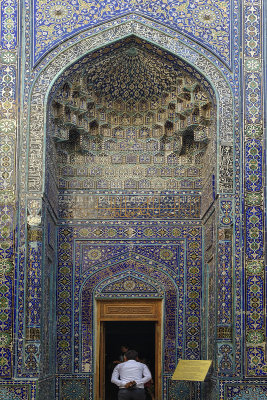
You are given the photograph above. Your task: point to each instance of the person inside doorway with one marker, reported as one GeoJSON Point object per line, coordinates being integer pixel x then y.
{"type": "Point", "coordinates": [124, 349]}
{"type": "Point", "coordinates": [131, 376]}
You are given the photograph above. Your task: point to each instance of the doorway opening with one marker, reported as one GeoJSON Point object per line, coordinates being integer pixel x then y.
{"type": "Point", "coordinates": [137, 335]}
{"type": "Point", "coordinates": [133, 322]}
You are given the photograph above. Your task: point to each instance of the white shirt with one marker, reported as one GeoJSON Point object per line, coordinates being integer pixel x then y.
{"type": "Point", "coordinates": [131, 370]}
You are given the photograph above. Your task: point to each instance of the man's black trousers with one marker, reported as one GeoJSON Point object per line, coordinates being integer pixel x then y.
{"type": "Point", "coordinates": [131, 394]}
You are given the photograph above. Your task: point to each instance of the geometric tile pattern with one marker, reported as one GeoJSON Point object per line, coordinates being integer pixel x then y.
{"type": "Point", "coordinates": [9, 15]}
{"type": "Point", "coordinates": [225, 283]}
{"type": "Point", "coordinates": [209, 24]}
{"type": "Point", "coordinates": [22, 391]}
{"type": "Point", "coordinates": [226, 212]}
{"type": "Point", "coordinates": [254, 165]}
{"type": "Point", "coordinates": [255, 301]}
{"type": "Point", "coordinates": [253, 103]}
{"type": "Point", "coordinates": [8, 82]}
{"type": "Point", "coordinates": [225, 359]}
{"type": "Point", "coordinates": [248, 392]}
{"type": "Point", "coordinates": [180, 390]}
{"type": "Point", "coordinates": [127, 259]}
{"type": "Point", "coordinates": [254, 225]}
{"type": "Point", "coordinates": [78, 388]}
{"type": "Point", "coordinates": [252, 28]}
{"type": "Point", "coordinates": [74, 389]}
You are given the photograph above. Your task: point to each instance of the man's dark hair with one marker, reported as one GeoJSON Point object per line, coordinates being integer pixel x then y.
{"type": "Point", "coordinates": [131, 355]}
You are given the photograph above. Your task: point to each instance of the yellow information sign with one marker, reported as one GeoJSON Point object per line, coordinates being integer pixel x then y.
{"type": "Point", "coordinates": [191, 370]}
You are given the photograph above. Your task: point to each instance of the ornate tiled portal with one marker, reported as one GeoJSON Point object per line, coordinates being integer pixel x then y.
{"type": "Point", "coordinates": [130, 139]}
{"type": "Point", "coordinates": [132, 158]}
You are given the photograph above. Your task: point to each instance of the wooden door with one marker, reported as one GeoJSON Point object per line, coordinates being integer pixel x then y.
{"type": "Point", "coordinates": [127, 310]}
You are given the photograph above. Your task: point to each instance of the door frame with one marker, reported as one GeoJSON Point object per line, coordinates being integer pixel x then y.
{"type": "Point", "coordinates": [127, 310]}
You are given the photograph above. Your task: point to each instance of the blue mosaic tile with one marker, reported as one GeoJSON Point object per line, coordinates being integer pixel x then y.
{"type": "Point", "coordinates": [9, 24]}
{"type": "Point", "coordinates": [58, 20]}
{"type": "Point", "coordinates": [252, 30]}
{"type": "Point", "coordinates": [246, 392]}
{"type": "Point", "coordinates": [254, 236]}
{"type": "Point", "coordinates": [254, 163]}
{"type": "Point", "coordinates": [208, 23]}
{"type": "Point", "coordinates": [225, 282]}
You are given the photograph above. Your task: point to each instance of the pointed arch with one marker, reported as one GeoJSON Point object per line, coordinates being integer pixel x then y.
{"type": "Point", "coordinates": [169, 293]}
{"type": "Point", "coordinates": [60, 63]}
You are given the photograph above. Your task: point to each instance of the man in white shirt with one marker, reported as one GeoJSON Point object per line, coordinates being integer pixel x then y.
{"type": "Point", "coordinates": [130, 376]}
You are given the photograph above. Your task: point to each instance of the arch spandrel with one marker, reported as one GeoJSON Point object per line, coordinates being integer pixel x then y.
{"type": "Point", "coordinates": [198, 18]}
{"type": "Point", "coordinates": [129, 285]}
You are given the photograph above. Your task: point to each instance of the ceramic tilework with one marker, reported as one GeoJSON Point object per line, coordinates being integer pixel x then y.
{"type": "Point", "coordinates": [61, 19]}
{"type": "Point", "coordinates": [225, 283]}
{"type": "Point", "coordinates": [47, 337]}
{"type": "Point", "coordinates": [78, 388]}
{"type": "Point", "coordinates": [181, 390]}
{"type": "Point", "coordinates": [255, 300]}
{"type": "Point", "coordinates": [37, 121]}
{"type": "Point", "coordinates": [152, 263]}
{"type": "Point", "coordinates": [34, 285]}
{"type": "Point", "coordinates": [184, 389]}
{"type": "Point", "coordinates": [208, 329]}
{"type": "Point", "coordinates": [254, 165]}
{"type": "Point", "coordinates": [132, 206]}
{"type": "Point", "coordinates": [8, 80]}
{"type": "Point", "coordinates": [225, 359]}
{"type": "Point", "coordinates": [226, 212]}
{"type": "Point", "coordinates": [230, 155]}
{"type": "Point", "coordinates": [73, 389]}
{"type": "Point", "coordinates": [33, 293]}
{"type": "Point", "coordinates": [253, 93]}
{"type": "Point", "coordinates": [252, 14]}
{"type": "Point", "coordinates": [254, 358]}
{"type": "Point", "coordinates": [6, 289]}
{"type": "Point", "coordinates": [246, 392]}
{"type": "Point", "coordinates": [32, 357]}
{"type": "Point", "coordinates": [134, 283]}
{"type": "Point", "coordinates": [211, 317]}
{"type": "Point", "coordinates": [64, 301]}
{"type": "Point", "coordinates": [14, 391]}
{"type": "Point", "coordinates": [254, 244]}
{"type": "Point", "coordinates": [9, 24]}
{"type": "Point", "coordinates": [20, 293]}
{"type": "Point", "coordinates": [113, 133]}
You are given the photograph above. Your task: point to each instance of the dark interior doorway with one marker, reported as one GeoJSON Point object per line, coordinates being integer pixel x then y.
{"type": "Point", "coordinates": [138, 335]}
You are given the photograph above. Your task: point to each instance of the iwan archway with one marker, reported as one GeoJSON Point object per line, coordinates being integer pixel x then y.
{"type": "Point", "coordinates": [126, 172]}
{"type": "Point", "coordinates": [133, 132]}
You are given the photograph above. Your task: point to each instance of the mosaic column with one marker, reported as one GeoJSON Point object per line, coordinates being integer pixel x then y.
{"type": "Point", "coordinates": [64, 301]}
{"type": "Point", "coordinates": [255, 324]}
{"type": "Point", "coordinates": [8, 62]}
{"type": "Point", "coordinates": [33, 289]}
{"type": "Point", "coordinates": [225, 291]}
